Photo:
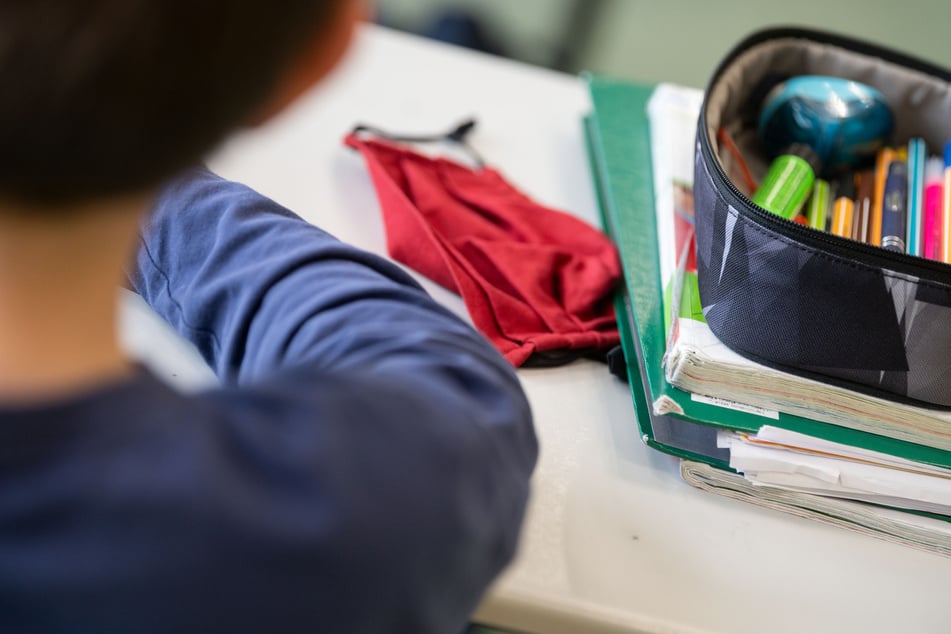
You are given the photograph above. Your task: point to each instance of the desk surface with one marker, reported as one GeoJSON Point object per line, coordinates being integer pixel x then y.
{"type": "Point", "coordinates": [615, 541]}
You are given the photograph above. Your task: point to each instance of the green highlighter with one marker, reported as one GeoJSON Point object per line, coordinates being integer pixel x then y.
{"type": "Point", "coordinates": [788, 182]}
{"type": "Point", "coordinates": [817, 212]}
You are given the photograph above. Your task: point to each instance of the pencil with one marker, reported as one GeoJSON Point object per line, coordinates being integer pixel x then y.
{"type": "Point", "coordinates": [863, 207]}
{"type": "Point", "coordinates": [844, 207]}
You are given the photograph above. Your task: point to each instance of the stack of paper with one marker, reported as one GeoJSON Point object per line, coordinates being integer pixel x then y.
{"type": "Point", "coordinates": [924, 533]}
{"type": "Point", "coordinates": [796, 462]}
{"type": "Point", "coordinates": [699, 363]}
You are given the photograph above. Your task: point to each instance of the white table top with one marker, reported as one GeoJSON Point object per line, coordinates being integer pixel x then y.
{"type": "Point", "coordinates": [614, 541]}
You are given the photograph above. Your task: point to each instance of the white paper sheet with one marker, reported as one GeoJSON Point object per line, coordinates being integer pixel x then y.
{"type": "Point", "coordinates": [838, 471]}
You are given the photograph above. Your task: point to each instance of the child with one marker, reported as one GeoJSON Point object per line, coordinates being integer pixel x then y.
{"type": "Point", "coordinates": [364, 467]}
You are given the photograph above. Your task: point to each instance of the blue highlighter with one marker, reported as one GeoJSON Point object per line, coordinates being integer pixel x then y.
{"type": "Point", "coordinates": [844, 122]}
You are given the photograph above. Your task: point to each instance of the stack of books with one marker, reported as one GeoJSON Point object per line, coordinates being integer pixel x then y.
{"type": "Point", "coordinates": [744, 430]}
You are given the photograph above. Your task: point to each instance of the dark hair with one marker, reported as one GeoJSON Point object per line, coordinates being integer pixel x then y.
{"type": "Point", "coordinates": [110, 96]}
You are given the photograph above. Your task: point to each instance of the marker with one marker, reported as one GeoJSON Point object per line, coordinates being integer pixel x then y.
{"type": "Point", "coordinates": [895, 208]}
{"type": "Point", "coordinates": [818, 207]}
{"type": "Point", "coordinates": [844, 207]}
{"type": "Point", "coordinates": [917, 155]}
{"type": "Point", "coordinates": [946, 206]}
{"type": "Point", "coordinates": [787, 183]}
{"type": "Point", "coordinates": [933, 192]}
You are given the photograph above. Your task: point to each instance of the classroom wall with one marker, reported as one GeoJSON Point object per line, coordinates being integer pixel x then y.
{"type": "Point", "coordinates": [530, 30]}
{"type": "Point", "coordinates": [681, 40]}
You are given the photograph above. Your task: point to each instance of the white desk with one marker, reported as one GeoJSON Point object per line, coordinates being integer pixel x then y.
{"type": "Point", "coordinates": [614, 541]}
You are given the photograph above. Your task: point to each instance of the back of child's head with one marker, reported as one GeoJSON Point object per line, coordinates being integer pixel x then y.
{"type": "Point", "coordinates": [105, 97]}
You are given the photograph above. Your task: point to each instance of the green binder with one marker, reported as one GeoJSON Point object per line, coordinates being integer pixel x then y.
{"type": "Point", "coordinates": [618, 138]}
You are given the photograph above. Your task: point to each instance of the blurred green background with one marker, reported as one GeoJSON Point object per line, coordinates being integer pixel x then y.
{"type": "Point", "coordinates": [660, 40]}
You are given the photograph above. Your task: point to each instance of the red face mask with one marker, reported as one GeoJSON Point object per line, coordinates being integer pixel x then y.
{"type": "Point", "coordinates": [537, 282]}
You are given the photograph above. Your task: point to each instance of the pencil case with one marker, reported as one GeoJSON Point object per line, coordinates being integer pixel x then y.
{"type": "Point", "coordinates": [800, 299]}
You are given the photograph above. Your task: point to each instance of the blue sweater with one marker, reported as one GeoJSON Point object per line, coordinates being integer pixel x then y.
{"type": "Point", "coordinates": [365, 467]}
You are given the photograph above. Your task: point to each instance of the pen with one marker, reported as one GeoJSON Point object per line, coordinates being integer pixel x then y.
{"type": "Point", "coordinates": [895, 208]}
{"type": "Point", "coordinates": [883, 160]}
{"type": "Point", "coordinates": [844, 207]}
{"type": "Point", "coordinates": [917, 155]}
{"type": "Point", "coordinates": [933, 193]}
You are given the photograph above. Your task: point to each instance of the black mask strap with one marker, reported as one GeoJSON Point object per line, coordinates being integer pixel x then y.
{"type": "Point", "coordinates": [458, 136]}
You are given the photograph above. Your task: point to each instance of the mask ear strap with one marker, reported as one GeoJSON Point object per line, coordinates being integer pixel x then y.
{"type": "Point", "coordinates": [459, 135]}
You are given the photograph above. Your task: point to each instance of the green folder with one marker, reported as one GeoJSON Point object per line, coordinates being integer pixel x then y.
{"type": "Point", "coordinates": [618, 138]}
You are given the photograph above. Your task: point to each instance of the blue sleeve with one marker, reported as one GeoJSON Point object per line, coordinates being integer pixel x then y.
{"type": "Point", "coordinates": [408, 426]}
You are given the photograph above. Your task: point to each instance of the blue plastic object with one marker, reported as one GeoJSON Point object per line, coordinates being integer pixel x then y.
{"type": "Point", "coordinates": [843, 121]}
